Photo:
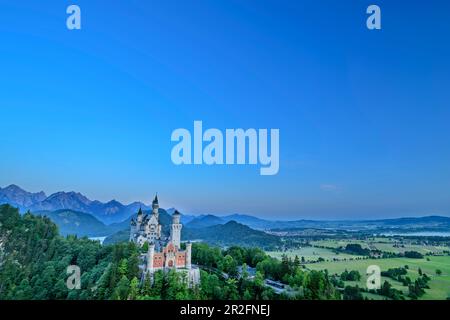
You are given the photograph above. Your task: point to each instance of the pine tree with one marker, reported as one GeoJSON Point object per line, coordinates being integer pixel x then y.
{"type": "Point", "coordinates": [122, 289]}
{"type": "Point", "coordinates": [147, 287]}
{"type": "Point", "coordinates": [231, 291]}
{"type": "Point", "coordinates": [133, 289]}
{"type": "Point", "coordinates": [23, 291]}
{"type": "Point", "coordinates": [123, 267]}
{"type": "Point", "coordinates": [245, 273]}
{"type": "Point", "coordinates": [247, 295]}
{"type": "Point", "coordinates": [296, 261]}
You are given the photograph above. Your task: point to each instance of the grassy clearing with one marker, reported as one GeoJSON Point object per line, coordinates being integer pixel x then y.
{"type": "Point", "coordinates": [312, 254]}
{"type": "Point", "coordinates": [439, 284]}
{"type": "Point", "coordinates": [384, 244]}
{"type": "Point", "coordinates": [336, 263]}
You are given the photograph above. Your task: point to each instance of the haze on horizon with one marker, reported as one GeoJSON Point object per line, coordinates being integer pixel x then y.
{"type": "Point", "coordinates": [363, 115]}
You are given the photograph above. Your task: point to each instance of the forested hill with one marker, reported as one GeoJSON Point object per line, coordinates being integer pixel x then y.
{"type": "Point", "coordinates": [34, 260]}
{"type": "Point", "coordinates": [77, 223]}
{"type": "Point", "coordinates": [232, 233]}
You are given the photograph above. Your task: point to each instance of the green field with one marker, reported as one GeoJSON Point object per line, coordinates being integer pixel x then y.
{"type": "Point", "coordinates": [336, 263]}
{"type": "Point", "coordinates": [439, 285]}
{"type": "Point", "coordinates": [312, 254]}
{"type": "Point", "coordinates": [384, 244]}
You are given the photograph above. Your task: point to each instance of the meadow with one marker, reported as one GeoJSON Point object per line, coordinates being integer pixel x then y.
{"type": "Point", "coordinates": [385, 244]}
{"type": "Point", "coordinates": [439, 284]}
{"type": "Point", "coordinates": [311, 254]}
{"type": "Point", "coordinates": [436, 258]}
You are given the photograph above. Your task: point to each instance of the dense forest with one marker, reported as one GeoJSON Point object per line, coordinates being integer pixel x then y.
{"type": "Point", "coordinates": [34, 258]}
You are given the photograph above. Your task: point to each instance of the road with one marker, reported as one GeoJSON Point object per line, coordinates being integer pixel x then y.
{"type": "Point", "coordinates": [276, 286]}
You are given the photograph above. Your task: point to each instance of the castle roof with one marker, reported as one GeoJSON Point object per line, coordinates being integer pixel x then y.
{"type": "Point", "coordinates": [155, 201]}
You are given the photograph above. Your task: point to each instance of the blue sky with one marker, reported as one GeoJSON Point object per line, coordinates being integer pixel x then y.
{"type": "Point", "coordinates": [363, 115]}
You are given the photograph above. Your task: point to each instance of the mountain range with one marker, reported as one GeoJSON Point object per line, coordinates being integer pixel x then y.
{"type": "Point", "coordinates": [74, 213]}
{"type": "Point", "coordinates": [110, 212]}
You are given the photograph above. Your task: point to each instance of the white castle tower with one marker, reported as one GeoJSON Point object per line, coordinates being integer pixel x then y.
{"type": "Point", "coordinates": [150, 257]}
{"type": "Point", "coordinates": [188, 255]}
{"type": "Point", "coordinates": [175, 229]}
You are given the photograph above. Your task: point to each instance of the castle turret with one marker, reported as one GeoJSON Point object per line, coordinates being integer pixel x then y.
{"type": "Point", "coordinates": [132, 229]}
{"type": "Point", "coordinates": [140, 216]}
{"type": "Point", "coordinates": [136, 224]}
{"type": "Point", "coordinates": [188, 255]}
{"type": "Point", "coordinates": [155, 206]}
{"type": "Point", "coordinates": [175, 229]}
{"type": "Point", "coordinates": [150, 257]}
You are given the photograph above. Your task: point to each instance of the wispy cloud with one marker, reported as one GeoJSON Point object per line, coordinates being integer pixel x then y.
{"type": "Point", "coordinates": [328, 187]}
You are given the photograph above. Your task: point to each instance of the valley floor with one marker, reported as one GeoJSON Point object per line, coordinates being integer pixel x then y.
{"type": "Point", "coordinates": [439, 284]}
{"type": "Point", "coordinates": [322, 256]}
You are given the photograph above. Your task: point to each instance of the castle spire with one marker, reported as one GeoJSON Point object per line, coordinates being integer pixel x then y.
{"type": "Point", "coordinates": [155, 206]}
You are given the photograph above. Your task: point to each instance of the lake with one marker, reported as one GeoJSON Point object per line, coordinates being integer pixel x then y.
{"type": "Point", "coordinates": [101, 239]}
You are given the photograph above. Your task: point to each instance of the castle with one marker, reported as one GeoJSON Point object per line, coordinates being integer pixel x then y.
{"type": "Point", "coordinates": [163, 253]}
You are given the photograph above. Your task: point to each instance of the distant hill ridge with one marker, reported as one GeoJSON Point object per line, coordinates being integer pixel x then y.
{"type": "Point", "coordinates": [205, 221]}
{"type": "Point", "coordinates": [261, 224]}
{"type": "Point", "coordinates": [114, 212]}
{"type": "Point", "coordinates": [232, 233]}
